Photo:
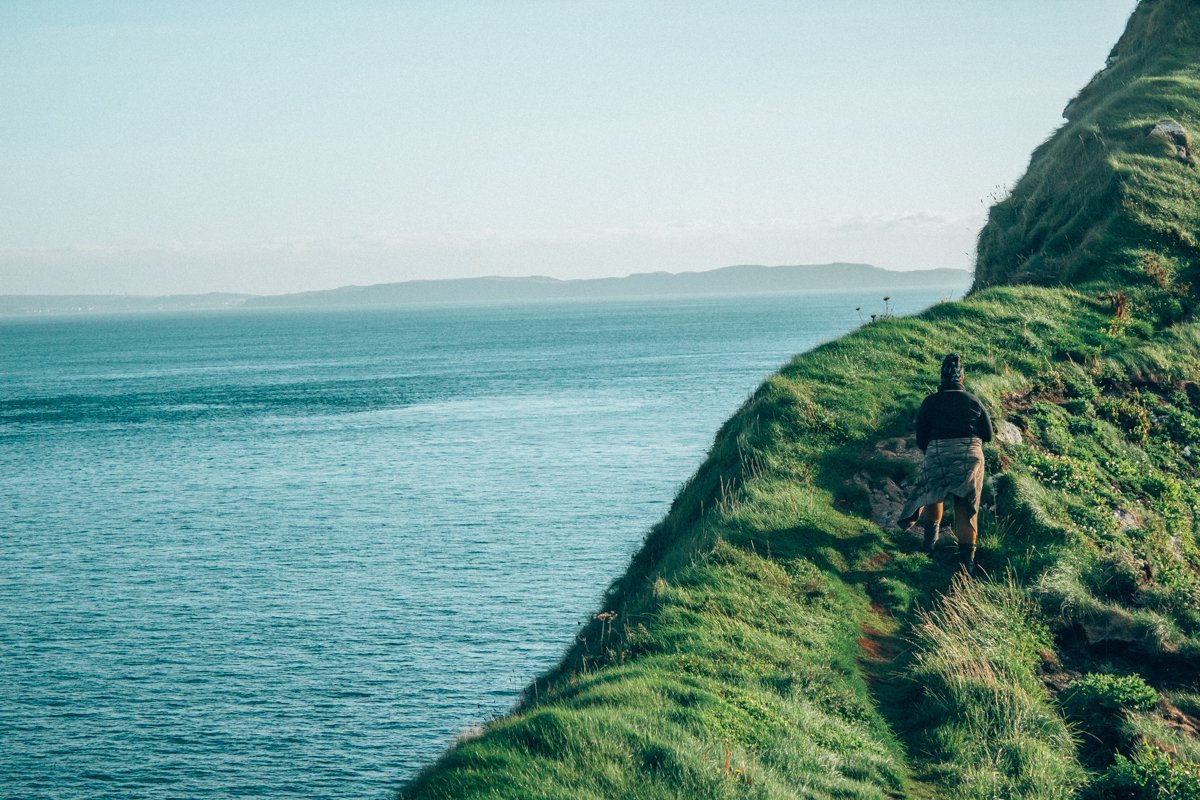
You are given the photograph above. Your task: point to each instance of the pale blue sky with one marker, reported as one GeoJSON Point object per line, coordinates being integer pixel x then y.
{"type": "Point", "coordinates": [156, 147]}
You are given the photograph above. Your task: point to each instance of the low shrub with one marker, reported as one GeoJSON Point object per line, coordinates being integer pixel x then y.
{"type": "Point", "coordinates": [1129, 413]}
{"type": "Point", "coordinates": [1148, 775]}
{"type": "Point", "coordinates": [1098, 692]}
{"type": "Point", "coordinates": [1099, 704]}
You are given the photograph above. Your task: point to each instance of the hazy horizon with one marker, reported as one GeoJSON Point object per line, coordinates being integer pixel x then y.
{"type": "Point", "coordinates": [530, 277]}
{"type": "Point", "coordinates": [274, 147]}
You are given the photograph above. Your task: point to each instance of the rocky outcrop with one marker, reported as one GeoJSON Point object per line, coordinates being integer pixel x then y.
{"type": "Point", "coordinates": [1177, 135]}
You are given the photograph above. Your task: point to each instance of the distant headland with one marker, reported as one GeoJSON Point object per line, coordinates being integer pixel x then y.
{"type": "Point", "coordinates": [735, 280]}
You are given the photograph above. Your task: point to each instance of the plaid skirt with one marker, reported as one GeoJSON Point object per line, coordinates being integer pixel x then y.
{"type": "Point", "coordinates": [951, 467]}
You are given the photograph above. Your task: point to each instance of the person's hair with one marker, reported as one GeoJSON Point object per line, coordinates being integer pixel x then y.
{"type": "Point", "coordinates": [952, 369]}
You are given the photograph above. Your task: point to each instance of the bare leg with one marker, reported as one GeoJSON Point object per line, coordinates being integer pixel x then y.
{"type": "Point", "coordinates": [931, 521]}
{"type": "Point", "coordinates": [966, 530]}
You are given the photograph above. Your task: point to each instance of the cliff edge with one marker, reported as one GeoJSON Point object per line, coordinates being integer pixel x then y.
{"type": "Point", "coordinates": [778, 637]}
{"type": "Point", "coordinates": [1119, 178]}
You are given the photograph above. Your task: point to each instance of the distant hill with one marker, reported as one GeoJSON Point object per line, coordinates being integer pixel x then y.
{"type": "Point", "coordinates": [725, 281]}
{"type": "Point", "coordinates": [115, 303]}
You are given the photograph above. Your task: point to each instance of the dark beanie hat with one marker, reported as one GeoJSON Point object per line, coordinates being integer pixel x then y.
{"type": "Point", "coordinates": [952, 369]}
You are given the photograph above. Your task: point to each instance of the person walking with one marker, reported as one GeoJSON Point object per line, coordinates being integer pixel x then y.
{"type": "Point", "coordinates": [952, 426]}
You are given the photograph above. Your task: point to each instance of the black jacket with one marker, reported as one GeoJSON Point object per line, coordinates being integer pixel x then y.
{"type": "Point", "coordinates": [952, 413]}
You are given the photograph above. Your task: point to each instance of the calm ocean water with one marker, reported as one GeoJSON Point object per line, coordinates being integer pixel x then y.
{"type": "Point", "coordinates": [292, 553]}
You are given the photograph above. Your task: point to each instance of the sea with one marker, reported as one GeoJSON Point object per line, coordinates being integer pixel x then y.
{"type": "Point", "coordinates": [294, 553]}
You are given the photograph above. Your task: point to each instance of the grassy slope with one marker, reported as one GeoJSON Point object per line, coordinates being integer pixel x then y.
{"type": "Point", "coordinates": [770, 640]}
{"type": "Point", "coordinates": [1103, 188]}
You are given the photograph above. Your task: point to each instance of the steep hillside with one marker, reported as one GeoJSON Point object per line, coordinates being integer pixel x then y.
{"type": "Point", "coordinates": [777, 637]}
{"type": "Point", "coordinates": [1118, 180]}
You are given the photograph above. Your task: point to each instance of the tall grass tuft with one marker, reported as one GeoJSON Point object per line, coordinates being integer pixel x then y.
{"type": "Point", "coordinates": [977, 656]}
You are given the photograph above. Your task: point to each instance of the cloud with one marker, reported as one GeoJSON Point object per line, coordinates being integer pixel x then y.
{"type": "Point", "coordinates": [672, 231]}
{"type": "Point", "coordinates": [295, 263]}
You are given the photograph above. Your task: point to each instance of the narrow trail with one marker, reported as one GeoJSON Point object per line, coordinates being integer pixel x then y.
{"type": "Point", "coordinates": [886, 652]}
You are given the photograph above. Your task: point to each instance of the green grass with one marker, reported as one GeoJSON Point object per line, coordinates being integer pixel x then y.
{"type": "Point", "coordinates": [771, 640]}
{"type": "Point", "coordinates": [1102, 192]}
{"type": "Point", "coordinates": [767, 619]}
{"type": "Point", "coordinates": [992, 730]}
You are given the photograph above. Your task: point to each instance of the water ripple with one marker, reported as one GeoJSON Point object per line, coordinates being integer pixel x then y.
{"type": "Point", "coordinates": [291, 554]}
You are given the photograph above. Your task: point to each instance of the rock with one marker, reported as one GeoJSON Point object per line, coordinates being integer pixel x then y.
{"type": "Point", "coordinates": [886, 496]}
{"type": "Point", "coordinates": [1111, 625]}
{"type": "Point", "coordinates": [1126, 520]}
{"type": "Point", "coordinates": [1116, 625]}
{"type": "Point", "coordinates": [1009, 433]}
{"type": "Point", "coordinates": [1177, 135]}
{"type": "Point", "coordinates": [900, 447]}
{"type": "Point", "coordinates": [1169, 127]}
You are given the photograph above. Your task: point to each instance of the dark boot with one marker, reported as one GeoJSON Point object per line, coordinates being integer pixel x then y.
{"type": "Point", "coordinates": [931, 535]}
{"type": "Point", "coordinates": [966, 557]}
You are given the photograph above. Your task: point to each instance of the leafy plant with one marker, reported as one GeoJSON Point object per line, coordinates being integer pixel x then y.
{"type": "Point", "coordinates": [1099, 693]}
{"type": "Point", "coordinates": [1149, 775]}
{"type": "Point", "coordinates": [1099, 703]}
{"type": "Point", "coordinates": [1063, 472]}
{"type": "Point", "coordinates": [1128, 412]}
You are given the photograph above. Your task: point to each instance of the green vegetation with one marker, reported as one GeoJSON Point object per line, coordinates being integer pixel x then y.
{"type": "Point", "coordinates": [1100, 704]}
{"type": "Point", "coordinates": [777, 637]}
{"type": "Point", "coordinates": [1106, 192]}
{"type": "Point", "coordinates": [1149, 775]}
